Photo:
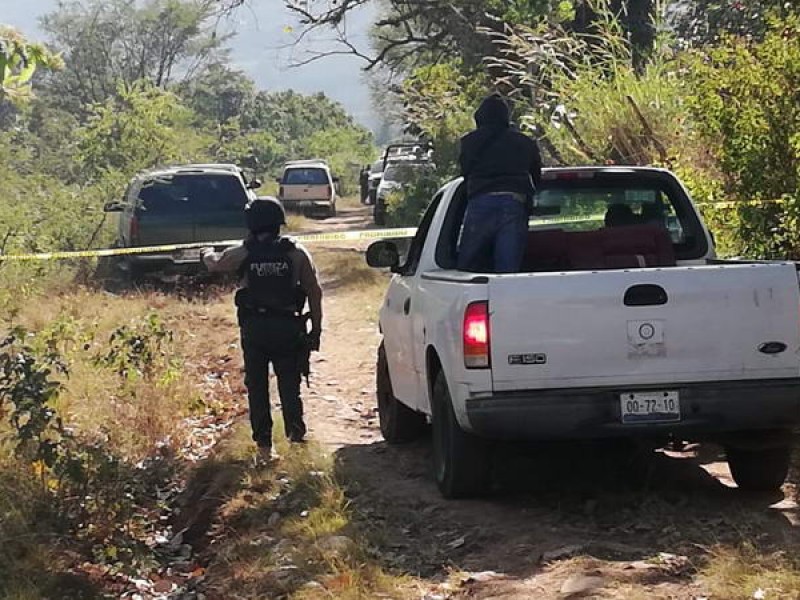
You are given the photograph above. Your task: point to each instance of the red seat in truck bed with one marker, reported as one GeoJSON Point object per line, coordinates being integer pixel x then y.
{"type": "Point", "coordinates": [624, 247]}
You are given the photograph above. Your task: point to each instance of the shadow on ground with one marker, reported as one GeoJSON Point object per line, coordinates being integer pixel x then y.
{"type": "Point", "coordinates": [552, 502]}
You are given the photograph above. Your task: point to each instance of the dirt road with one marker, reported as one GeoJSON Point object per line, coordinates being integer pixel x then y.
{"type": "Point", "coordinates": [566, 520]}
{"type": "Point", "coordinates": [553, 502]}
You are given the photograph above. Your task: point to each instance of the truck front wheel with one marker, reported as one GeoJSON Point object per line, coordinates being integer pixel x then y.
{"type": "Point", "coordinates": [398, 422]}
{"type": "Point", "coordinates": [461, 461]}
{"type": "Point", "coordinates": [759, 469]}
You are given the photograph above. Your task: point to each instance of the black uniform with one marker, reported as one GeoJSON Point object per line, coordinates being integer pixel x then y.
{"type": "Point", "coordinates": [276, 277]}
{"type": "Point", "coordinates": [272, 330]}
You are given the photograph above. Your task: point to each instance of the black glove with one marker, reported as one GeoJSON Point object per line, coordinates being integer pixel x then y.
{"type": "Point", "coordinates": [313, 340]}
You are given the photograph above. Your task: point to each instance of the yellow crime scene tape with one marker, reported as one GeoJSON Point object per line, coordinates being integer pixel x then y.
{"type": "Point", "coordinates": [306, 238]}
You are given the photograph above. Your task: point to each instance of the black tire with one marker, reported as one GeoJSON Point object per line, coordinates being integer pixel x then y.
{"type": "Point", "coordinates": [761, 469]}
{"type": "Point", "coordinates": [461, 461]}
{"type": "Point", "coordinates": [332, 211]}
{"type": "Point", "coordinates": [398, 422]}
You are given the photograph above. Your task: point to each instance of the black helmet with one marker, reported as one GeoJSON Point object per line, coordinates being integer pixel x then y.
{"type": "Point", "coordinates": [264, 213]}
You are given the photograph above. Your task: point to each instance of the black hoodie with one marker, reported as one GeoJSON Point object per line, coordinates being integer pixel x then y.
{"type": "Point", "coordinates": [497, 158]}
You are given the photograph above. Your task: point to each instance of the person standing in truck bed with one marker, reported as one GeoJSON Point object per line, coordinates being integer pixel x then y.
{"type": "Point", "coordinates": [502, 168]}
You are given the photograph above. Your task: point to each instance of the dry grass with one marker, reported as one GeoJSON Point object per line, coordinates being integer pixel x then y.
{"type": "Point", "coordinates": [291, 534]}
{"type": "Point", "coordinates": [344, 269]}
{"type": "Point", "coordinates": [135, 412]}
{"type": "Point", "coordinates": [739, 574]}
{"type": "Point", "coordinates": [127, 415]}
{"type": "Point", "coordinates": [296, 223]}
{"type": "Point", "coordinates": [351, 201]}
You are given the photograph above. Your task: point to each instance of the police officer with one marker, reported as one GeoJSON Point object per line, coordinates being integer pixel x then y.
{"type": "Point", "coordinates": [276, 277]}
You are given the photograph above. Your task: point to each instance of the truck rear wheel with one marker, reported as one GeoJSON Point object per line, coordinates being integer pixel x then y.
{"type": "Point", "coordinates": [759, 469]}
{"type": "Point", "coordinates": [398, 422]}
{"type": "Point", "coordinates": [461, 461]}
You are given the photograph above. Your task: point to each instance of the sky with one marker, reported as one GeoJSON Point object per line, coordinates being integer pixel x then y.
{"type": "Point", "coordinates": [261, 48]}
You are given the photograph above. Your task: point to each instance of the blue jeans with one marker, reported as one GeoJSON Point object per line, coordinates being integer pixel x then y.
{"type": "Point", "coordinates": [494, 236]}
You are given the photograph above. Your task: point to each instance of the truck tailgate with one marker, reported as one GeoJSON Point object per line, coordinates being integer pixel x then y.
{"type": "Point", "coordinates": [579, 329]}
{"type": "Point", "coordinates": [300, 192]}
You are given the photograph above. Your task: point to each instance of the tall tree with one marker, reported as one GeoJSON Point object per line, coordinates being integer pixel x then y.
{"type": "Point", "coordinates": [109, 42]}
{"type": "Point", "coordinates": [141, 126]}
{"type": "Point", "coordinates": [219, 93]}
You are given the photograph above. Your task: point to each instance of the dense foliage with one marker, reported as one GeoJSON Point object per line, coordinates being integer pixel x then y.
{"type": "Point", "coordinates": [134, 86]}
{"type": "Point", "coordinates": [709, 90]}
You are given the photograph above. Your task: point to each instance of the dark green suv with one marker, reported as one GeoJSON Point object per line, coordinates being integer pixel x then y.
{"type": "Point", "coordinates": [178, 205]}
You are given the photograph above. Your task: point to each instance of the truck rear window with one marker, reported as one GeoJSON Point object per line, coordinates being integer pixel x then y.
{"type": "Point", "coordinates": [305, 177]}
{"type": "Point", "coordinates": [591, 208]}
{"type": "Point", "coordinates": [585, 220]}
{"type": "Point", "coordinates": [179, 194]}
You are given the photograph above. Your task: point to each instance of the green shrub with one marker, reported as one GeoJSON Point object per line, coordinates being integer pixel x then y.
{"type": "Point", "coordinates": [405, 208]}
{"type": "Point", "coordinates": [745, 102]}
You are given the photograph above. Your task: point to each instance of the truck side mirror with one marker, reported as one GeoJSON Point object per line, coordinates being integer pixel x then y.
{"type": "Point", "coordinates": [383, 254]}
{"type": "Point", "coordinates": [113, 206]}
{"type": "Point", "coordinates": [254, 184]}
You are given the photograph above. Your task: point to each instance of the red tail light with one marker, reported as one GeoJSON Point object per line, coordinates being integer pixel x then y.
{"type": "Point", "coordinates": [476, 335]}
{"type": "Point", "coordinates": [329, 190]}
{"type": "Point", "coordinates": [133, 232]}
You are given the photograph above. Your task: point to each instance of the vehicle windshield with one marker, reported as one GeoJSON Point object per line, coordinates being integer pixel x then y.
{"type": "Point", "coordinates": [177, 194]}
{"type": "Point", "coordinates": [305, 176]}
{"type": "Point", "coordinates": [403, 173]}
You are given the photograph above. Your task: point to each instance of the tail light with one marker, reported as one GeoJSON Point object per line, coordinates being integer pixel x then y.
{"type": "Point", "coordinates": [280, 191]}
{"type": "Point", "coordinates": [133, 231]}
{"type": "Point", "coordinates": [476, 335]}
{"type": "Point", "coordinates": [329, 191]}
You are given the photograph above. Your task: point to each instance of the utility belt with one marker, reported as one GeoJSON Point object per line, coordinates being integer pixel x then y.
{"type": "Point", "coordinates": [249, 310]}
{"type": "Point", "coordinates": [246, 307]}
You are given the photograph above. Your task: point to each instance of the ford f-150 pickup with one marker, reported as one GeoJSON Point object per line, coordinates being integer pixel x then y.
{"type": "Point", "coordinates": [621, 323]}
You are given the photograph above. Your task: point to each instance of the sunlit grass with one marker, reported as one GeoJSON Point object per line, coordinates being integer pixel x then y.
{"type": "Point", "coordinates": [739, 574]}
{"type": "Point", "coordinates": [130, 417]}
{"type": "Point", "coordinates": [312, 549]}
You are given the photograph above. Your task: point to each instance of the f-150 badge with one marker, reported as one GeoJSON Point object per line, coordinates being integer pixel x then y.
{"type": "Point", "coordinates": [527, 359]}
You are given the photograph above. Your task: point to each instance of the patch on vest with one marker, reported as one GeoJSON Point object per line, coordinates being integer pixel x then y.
{"type": "Point", "coordinates": [270, 269]}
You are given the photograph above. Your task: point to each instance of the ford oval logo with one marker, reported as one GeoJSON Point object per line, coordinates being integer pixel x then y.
{"type": "Point", "coordinates": [772, 347]}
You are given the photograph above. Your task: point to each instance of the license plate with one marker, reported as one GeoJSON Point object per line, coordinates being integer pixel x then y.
{"type": "Point", "coordinates": [650, 407]}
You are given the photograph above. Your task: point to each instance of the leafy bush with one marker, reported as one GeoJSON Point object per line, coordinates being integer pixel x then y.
{"type": "Point", "coordinates": [746, 106]}
{"type": "Point", "coordinates": [405, 208]}
{"type": "Point", "coordinates": [589, 96]}
{"type": "Point", "coordinates": [84, 482]}
{"type": "Point", "coordinates": [439, 102]}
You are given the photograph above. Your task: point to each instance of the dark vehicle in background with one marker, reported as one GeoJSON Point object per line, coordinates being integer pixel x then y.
{"type": "Point", "coordinates": [179, 205]}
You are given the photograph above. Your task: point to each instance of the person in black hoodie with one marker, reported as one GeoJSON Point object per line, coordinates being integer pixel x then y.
{"type": "Point", "coordinates": [502, 168]}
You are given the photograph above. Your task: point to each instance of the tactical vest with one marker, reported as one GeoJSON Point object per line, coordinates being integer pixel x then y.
{"type": "Point", "coordinates": [269, 273]}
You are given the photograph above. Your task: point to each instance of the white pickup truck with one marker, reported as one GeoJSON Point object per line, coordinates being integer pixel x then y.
{"type": "Point", "coordinates": [622, 323]}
